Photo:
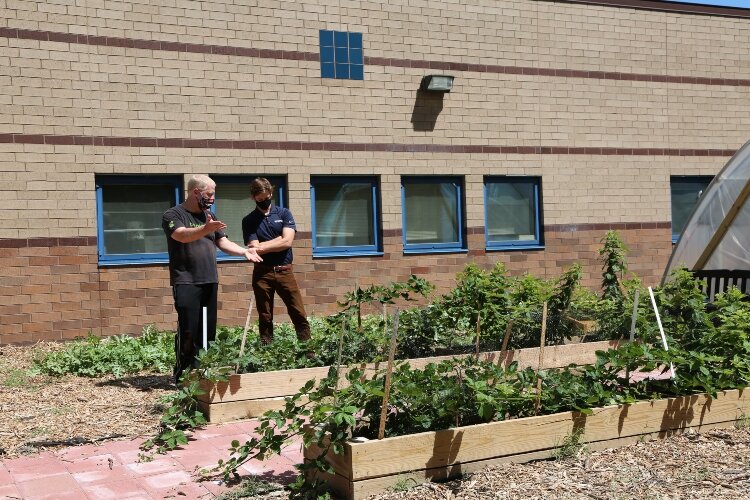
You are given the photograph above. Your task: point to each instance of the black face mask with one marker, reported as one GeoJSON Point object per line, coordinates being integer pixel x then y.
{"type": "Point", "coordinates": [204, 203]}
{"type": "Point", "coordinates": [263, 205]}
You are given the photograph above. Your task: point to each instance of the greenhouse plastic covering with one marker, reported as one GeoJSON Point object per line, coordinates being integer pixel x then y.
{"type": "Point", "coordinates": [723, 206]}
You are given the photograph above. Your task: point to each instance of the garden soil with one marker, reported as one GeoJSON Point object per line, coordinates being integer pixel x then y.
{"type": "Point", "coordinates": [39, 412]}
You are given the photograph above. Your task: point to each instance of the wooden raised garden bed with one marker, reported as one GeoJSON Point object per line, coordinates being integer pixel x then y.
{"type": "Point", "coordinates": [374, 466]}
{"type": "Point", "coordinates": [251, 394]}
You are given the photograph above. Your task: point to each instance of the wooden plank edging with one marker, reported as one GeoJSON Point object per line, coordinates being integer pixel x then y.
{"type": "Point", "coordinates": [431, 450]}
{"type": "Point", "coordinates": [282, 383]}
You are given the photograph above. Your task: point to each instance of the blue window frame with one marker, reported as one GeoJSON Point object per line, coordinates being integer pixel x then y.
{"type": "Point", "coordinates": [233, 203]}
{"type": "Point", "coordinates": [128, 217]}
{"type": "Point", "coordinates": [345, 216]}
{"type": "Point", "coordinates": [341, 55]}
{"type": "Point", "coordinates": [685, 192]}
{"type": "Point", "coordinates": [512, 212]}
{"type": "Point", "coordinates": [432, 214]}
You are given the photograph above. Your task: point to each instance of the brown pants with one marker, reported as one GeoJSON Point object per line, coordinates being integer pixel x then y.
{"type": "Point", "coordinates": [266, 283]}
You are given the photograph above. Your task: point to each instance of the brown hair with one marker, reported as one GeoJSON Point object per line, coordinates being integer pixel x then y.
{"type": "Point", "coordinates": [260, 185]}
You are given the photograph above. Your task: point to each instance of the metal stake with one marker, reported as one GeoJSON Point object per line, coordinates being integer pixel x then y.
{"type": "Point", "coordinates": [661, 328]}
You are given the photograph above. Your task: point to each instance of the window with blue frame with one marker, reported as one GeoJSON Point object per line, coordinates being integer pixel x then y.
{"type": "Point", "coordinates": [432, 214]}
{"type": "Point", "coordinates": [128, 212]}
{"type": "Point", "coordinates": [685, 192]}
{"type": "Point", "coordinates": [345, 216]}
{"type": "Point", "coordinates": [233, 202]}
{"type": "Point", "coordinates": [341, 55]}
{"type": "Point", "coordinates": [512, 212]}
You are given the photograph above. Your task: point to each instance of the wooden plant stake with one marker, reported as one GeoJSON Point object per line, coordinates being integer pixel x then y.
{"type": "Point", "coordinates": [504, 346]}
{"type": "Point", "coordinates": [385, 320]}
{"type": "Point", "coordinates": [388, 370]}
{"type": "Point", "coordinates": [541, 359]}
{"type": "Point", "coordinates": [244, 332]}
{"type": "Point", "coordinates": [338, 361]}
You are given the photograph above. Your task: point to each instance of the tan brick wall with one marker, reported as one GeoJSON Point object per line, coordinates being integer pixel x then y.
{"type": "Point", "coordinates": [94, 89]}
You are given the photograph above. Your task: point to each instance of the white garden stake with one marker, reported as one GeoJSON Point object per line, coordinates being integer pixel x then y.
{"type": "Point", "coordinates": [661, 329]}
{"type": "Point", "coordinates": [205, 330]}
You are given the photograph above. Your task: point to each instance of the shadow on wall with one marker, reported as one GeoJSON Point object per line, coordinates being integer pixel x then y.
{"type": "Point", "coordinates": [427, 107]}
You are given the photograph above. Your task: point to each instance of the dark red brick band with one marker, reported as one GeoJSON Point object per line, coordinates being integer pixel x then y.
{"type": "Point", "coordinates": [373, 61]}
{"type": "Point", "coordinates": [134, 142]}
{"type": "Point", "coordinates": [306, 235]}
{"type": "Point", "coordinates": [75, 241]}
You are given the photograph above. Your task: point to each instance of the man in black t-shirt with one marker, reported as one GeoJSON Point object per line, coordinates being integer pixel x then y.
{"type": "Point", "coordinates": [193, 234]}
{"type": "Point", "coordinates": [270, 231]}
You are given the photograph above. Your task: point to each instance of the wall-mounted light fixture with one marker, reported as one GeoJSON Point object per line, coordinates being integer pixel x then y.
{"type": "Point", "coordinates": [437, 83]}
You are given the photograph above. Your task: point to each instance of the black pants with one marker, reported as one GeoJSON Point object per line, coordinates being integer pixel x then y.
{"type": "Point", "coordinates": [189, 301]}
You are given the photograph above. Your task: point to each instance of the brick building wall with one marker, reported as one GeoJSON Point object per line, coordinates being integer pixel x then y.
{"type": "Point", "coordinates": [602, 103]}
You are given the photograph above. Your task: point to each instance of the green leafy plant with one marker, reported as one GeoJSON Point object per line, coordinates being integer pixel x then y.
{"type": "Point", "coordinates": [479, 302]}
{"type": "Point", "coordinates": [181, 415]}
{"type": "Point", "coordinates": [354, 301]}
{"type": "Point", "coordinates": [118, 355]}
{"type": "Point", "coordinates": [614, 265]}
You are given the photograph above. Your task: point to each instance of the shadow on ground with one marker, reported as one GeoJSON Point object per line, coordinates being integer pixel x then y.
{"type": "Point", "coordinates": [144, 383]}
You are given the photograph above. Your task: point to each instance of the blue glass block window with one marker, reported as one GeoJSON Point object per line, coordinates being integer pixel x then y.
{"type": "Point", "coordinates": [233, 203]}
{"type": "Point", "coordinates": [686, 191]}
{"type": "Point", "coordinates": [128, 217]}
{"type": "Point", "coordinates": [341, 55]}
{"type": "Point", "coordinates": [345, 216]}
{"type": "Point", "coordinates": [512, 212]}
{"type": "Point", "coordinates": [432, 214]}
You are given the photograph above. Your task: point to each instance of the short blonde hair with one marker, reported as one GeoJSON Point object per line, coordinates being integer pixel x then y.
{"type": "Point", "coordinates": [201, 182]}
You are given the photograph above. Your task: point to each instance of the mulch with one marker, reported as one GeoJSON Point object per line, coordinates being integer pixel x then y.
{"type": "Point", "coordinates": [40, 412]}
{"type": "Point", "coordinates": [715, 465]}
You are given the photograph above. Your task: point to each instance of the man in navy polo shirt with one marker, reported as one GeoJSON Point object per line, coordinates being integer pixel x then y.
{"type": "Point", "coordinates": [270, 231]}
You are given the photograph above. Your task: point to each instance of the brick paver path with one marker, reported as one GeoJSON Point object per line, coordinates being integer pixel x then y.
{"type": "Point", "coordinates": [111, 470]}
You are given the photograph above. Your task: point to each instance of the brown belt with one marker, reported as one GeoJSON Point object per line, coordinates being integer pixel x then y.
{"type": "Point", "coordinates": [276, 269]}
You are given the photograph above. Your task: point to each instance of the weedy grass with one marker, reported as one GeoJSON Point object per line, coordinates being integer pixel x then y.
{"type": "Point", "coordinates": [16, 378]}
{"type": "Point", "coordinates": [570, 446]}
{"type": "Point", "coordinates": [251, 487]}
{"type": "Point", "coordinates": [742, 422]}
{"type": "Point", "coordinates": [403, 484]}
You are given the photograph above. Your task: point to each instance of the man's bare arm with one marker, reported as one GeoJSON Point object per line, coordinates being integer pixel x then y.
{"type": "Point", "coordinates": [190, 234]}
{"type": "Point", "coordinates": [227, 246]}
{"type": "Point", "coordinates": [278, 244]}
